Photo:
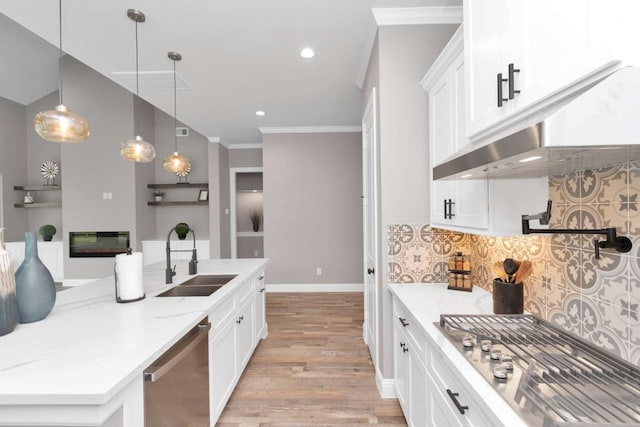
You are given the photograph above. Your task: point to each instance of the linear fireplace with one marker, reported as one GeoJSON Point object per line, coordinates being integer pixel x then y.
{"type": "Point", "coordinates": [97, 244]}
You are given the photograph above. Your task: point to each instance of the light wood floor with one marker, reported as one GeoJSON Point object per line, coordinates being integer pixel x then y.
{"type": "Point", "coordinates": [312, 370]}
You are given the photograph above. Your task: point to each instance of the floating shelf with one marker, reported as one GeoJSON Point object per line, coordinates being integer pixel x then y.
{"type": "Point", "coordinates": [37, 187]}
{"type": "Point", "coordinates": [179, 203]}
{"type": "Point", "coordinates": [249, 191]}
{"type": "Point", "coordinates": [37, 205]}
{"type": "Point", "coordinates": [179, 185]}
{"type": "Point", "coordinates": [250, 233]}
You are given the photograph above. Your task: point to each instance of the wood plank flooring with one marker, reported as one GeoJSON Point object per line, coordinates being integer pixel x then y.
{"type": "Point", "coordinates": [312, 370]}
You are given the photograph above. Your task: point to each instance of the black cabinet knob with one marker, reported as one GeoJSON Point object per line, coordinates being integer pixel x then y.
{"type": "Point", "coordinates": [371, 271]}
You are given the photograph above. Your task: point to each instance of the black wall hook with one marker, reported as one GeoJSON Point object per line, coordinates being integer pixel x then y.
{"type": "Point", "coordinates": [619, 243]}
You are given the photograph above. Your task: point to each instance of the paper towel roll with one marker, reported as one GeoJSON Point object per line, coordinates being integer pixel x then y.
{"type": "Point", "coordinates": [129, 286]}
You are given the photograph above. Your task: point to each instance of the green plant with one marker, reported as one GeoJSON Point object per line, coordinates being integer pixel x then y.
{"type": "Point", "coordinates": [256, 219]}
{"type": "Point", "coordinates": [47, 231]}
{"type": "Point", "coordinates": [182, 228]}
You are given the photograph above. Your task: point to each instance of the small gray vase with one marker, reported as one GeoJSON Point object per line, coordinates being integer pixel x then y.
{"type": "Point", "coordinates": [35, 288]}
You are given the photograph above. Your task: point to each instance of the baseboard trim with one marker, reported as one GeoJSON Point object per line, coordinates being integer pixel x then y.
{"type": "Point", "coordinates": [316, 287]}
{"type": "Point", "coordinates": [386, 387]}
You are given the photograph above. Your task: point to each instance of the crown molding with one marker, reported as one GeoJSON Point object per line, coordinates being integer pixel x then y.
{"type": "Point", "coordinates": [454, 47]}
{"type": "Point", "coordinates": [310, 129]}
{"type": "Point", "coordinates": [213, 139]}
{"type": "Point", "coordinates": [402, 16]}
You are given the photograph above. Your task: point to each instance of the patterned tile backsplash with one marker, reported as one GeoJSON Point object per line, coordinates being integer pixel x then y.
{"type": "Point", "coordinates": [598, 300]}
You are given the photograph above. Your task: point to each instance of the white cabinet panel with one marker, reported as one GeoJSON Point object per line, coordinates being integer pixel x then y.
{"type": "Point", "coordinates": [260, 306]}
{"type": "Point", "coordinates": [222, 366]}
{"type": "Point", "coordinates": [246, 335]}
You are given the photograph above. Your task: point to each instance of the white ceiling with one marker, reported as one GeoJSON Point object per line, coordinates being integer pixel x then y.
{"type": "Point", "coordinates": [239, 56]}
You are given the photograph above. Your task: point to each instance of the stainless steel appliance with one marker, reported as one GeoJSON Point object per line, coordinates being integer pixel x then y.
{"type": "Point", "coordinates": [549, 377]}
{"type": "Point", "coordinates": [176, 388]}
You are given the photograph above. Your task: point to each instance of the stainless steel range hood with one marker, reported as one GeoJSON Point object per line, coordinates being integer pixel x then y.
{"type": "Point", "coordinates": [598, 128]}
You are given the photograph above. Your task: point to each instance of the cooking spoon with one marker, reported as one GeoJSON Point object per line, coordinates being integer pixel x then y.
{"type": "Point", "coordinates": [510, 267]}
{"type": "Point", "coordinates": [499, 270]}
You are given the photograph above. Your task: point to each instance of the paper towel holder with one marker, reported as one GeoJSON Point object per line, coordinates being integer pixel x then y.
{"type": "Point", "coordinates": [115, 275]}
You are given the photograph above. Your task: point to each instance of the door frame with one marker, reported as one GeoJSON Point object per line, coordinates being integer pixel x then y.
{"type": "Point", "coordinates": [233, 172]}
{"type": "Point", "coordinates": [371, 110]}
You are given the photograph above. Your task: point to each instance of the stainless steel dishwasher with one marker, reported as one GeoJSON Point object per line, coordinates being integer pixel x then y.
{"type": "Point", "coordinates": [176, 385]}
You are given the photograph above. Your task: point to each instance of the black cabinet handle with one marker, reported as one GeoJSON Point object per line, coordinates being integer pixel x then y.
{"type": "Point", "coordinates": [448, 208]}
{"type": "Point", "coordinates": [454, 397]}
{"type": "Point", "coordinates": [371, 270]}
{"type": "Point", "coordinates": [403, 321]}
{"type": "Point", "coordinates": [402, 345]}
{"type": "Point", "coordinates": [261, 277]}
{"type": "Point", "coordinates": [512, 84]}
{"type": "Point", "coordinates": [262, 290]}
{"type": "Point", "coordinates": [500, 82]}
{"type": "Point", "coordinates": [240, 319]}
{"type": "Point", "coordinates": [405, 349]}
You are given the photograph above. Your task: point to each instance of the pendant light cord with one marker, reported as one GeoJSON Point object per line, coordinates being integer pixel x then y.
{"type": "Point", "coordinates": [175, 108]}
{"type": "Point", "coordinates": [136, 101]}
{"type": "Point", "coordinates": [60, 51]}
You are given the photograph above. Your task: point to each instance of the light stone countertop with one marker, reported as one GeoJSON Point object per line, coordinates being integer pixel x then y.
{"type": "Point", "coordinates": [90, 347]}
{"type": "Point", "coordinates": [426, 302]}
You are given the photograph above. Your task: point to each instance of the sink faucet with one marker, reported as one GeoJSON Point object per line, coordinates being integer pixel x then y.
{"type": "Point", "coordinates": [193, 264]}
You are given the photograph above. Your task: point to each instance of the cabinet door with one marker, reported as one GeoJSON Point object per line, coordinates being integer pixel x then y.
{"type": "Point", "coordinates": [441, 411]}
{"type": "Point", "coordinates": [222, 366]}
{"type": "Point", "coordinates": [401, 368]}
{"type": "Point", "coordinates": [417, 391]}
{"type": "Point", "coordinates": [246, 335]}
{"type": "Point", "coordinates": [260, 307]}
{"type": "Point", "coordinates": [487, 44]}
{"type": "Point", "coordinates": [440, 142]}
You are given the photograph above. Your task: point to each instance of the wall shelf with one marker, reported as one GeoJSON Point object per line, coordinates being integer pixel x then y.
{"type": "Point", "coordinates": [179, 185]}
{"type": "Point", "coordinates": [250, 233]}
{"type": "Point", "coordinates": [179, 203]}
{"type": "Point", "coordinates": [37, 205]}
{"type": "Point", "coordinates": [37, 187]}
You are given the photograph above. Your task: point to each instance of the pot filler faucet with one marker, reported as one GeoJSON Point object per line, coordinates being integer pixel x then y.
{"type": "Point", "coordinates": [619, 243]}
{"type": "Point", "coordinates": [193, 264]}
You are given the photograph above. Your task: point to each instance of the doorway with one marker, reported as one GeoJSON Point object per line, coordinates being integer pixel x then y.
{"type": "Point", "coordinates": [246, 213]}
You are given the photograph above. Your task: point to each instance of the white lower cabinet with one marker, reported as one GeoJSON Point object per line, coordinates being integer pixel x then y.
{"type": "Point", "coordinates": [427, 385]}
{"type": "Point", "coordinates": [260, 306]}
{"type": "Point", "coordinates": [232, 340]}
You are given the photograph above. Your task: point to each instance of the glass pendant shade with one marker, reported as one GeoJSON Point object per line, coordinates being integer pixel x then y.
{"type": "Point", "coordinates": [176, 163]}
{"type": "Point", "coordinates": [61, 125]}
{"type": "Point", "coordinates": [137, 150]}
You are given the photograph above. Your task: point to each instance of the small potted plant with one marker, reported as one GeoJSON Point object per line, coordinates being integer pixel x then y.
{"type": "Point", "coordinates": [182, 228]}
{"type": "Point", "coordinates": [158, 195]}
{"type": "Point", "coordinates": [256, 218]}
{"type": "Point", "coordinates": [47, 231]}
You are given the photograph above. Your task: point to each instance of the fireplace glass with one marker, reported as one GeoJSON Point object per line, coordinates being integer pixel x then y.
{"type": "Point", "coordinates": [97, 244]}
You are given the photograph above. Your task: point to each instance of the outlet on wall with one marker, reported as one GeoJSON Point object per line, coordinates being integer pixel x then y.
{"type": "Point", "coordinates": [319, 271]}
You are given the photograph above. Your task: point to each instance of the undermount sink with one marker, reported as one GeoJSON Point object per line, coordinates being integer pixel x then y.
{"type": "Point", "coordinates": [199, 286]}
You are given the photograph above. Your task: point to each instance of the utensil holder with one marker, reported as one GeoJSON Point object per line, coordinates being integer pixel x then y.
{"type": "Point", "coordinates": [508, 298]}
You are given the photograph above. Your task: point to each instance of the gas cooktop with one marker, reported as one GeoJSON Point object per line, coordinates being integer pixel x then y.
{"type": "Point", "coordinates": [548, 376]}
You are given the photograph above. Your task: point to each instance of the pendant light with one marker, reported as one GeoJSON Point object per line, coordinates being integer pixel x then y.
{"type": "Point", "coordinates": [59, 124]}
{"type": "Point", "coordinates": [137, 149]}
{"type": "Point", "coordinates": [175, 162]}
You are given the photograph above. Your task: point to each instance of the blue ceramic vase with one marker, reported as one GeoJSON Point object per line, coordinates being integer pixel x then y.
{"type": "Point", "coordinates": [35, 289]}
{"type": "Point", "coordinates": [8, 303]}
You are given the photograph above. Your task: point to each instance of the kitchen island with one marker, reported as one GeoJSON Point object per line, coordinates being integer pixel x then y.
{"type": "Point", "coordinates": [83, 364]}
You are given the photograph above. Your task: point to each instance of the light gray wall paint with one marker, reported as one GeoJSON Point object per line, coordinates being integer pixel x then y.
{"type": "Point", "coordinates": [95, 167]}
{"type": "Point", "coordinates": [245, 157]}
{"type": "Point", "coordinates": [214, 194]}
{"type": "Point", "coordinates": [144, 123]}
{"type": "Point", "coordinates": [39, 151]}
{"type": "Point", "coordinates": [13, 162]}
{"type": "Point", "coordinates": [194, 147]}
{"type": "Point", "coordinates": [312, 207]}
{"type": "Point", "coordinates": [405, 53]}
{"type": "Point", "coordinates": [223, 202]}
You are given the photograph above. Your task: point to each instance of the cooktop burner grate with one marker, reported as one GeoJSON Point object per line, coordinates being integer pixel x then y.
{"type": "Point", "coordinates": [571, 382]}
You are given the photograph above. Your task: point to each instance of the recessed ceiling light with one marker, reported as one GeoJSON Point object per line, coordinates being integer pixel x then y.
{"type": "Point", "coordinates": [466, 176]}
{"type": "Point", "coordinates": [260, 113]}
{"type": "Point", "coordinates": [529, 159]}
{"type": "Point", "coordinates": [307, 53]}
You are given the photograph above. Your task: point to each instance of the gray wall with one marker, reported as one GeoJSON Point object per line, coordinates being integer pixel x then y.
{"type": "Point", "coordinates": [144, 123]}
{"type": "Point", "coordinates": [95, 166]}
{"type": "Point", "coordinates": [402, 55]}
{"type": "Point", "coordinates": [245, 157]}
{"type": "Point", "coordinates": [312, 207]}
{"type": "Point", "coordinates": [194, 147]}
{"type": "Point", "coordinates": [12, 167]}
{"type": "Point", "coordinates": [223, 200]}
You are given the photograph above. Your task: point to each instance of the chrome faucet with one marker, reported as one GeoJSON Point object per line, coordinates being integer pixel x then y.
{"type": "Point", "coordinates": [193, 264]}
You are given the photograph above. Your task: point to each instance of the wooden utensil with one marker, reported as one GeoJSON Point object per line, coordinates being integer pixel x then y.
{"type": "Point", "coordinates": [510, 267]}
{"type": "Point", "coordinates": [523, 272]}
{"type": "Point", "coordinates": [499, 270]}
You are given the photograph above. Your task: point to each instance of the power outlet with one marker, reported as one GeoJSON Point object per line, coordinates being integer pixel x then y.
{"type": "Point", "coordinates": [319, 271]}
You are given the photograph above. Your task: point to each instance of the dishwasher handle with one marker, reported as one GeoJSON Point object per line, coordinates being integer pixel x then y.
{"type": "Point", "coordinates": [176, 353]}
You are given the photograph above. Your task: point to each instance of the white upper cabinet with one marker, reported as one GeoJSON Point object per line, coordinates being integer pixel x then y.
{"type": "Point", "coordinates": [555, 48]}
